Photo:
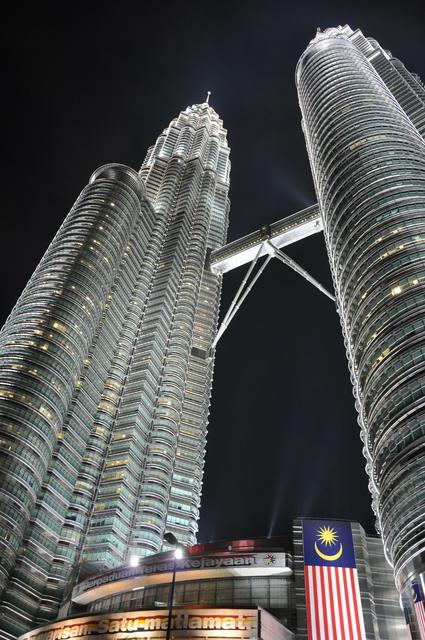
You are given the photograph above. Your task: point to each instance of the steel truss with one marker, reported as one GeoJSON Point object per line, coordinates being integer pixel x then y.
{"type": "Point", "coordinates": [273, 252]}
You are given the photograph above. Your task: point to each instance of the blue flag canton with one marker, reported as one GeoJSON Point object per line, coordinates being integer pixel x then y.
{"type": "Point", "coordinates": [416, 592]}
{"type": "Point", "coordinates": [328, 543]}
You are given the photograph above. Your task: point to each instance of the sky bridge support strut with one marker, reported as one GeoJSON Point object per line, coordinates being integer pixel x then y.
{"type": "Point", "coordinates": [273, 252]}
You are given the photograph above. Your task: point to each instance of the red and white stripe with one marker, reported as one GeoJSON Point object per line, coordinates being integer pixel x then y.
{"type": "Point", "coordinates": [334, 609]}
{"type": "Point", "coordinates": [420, 618]}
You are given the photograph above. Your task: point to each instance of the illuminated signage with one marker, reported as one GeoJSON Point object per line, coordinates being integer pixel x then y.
{"type": "Point", "coordinates": [137, 623]}
{"type": "Point", "coordinates": [216, 561]}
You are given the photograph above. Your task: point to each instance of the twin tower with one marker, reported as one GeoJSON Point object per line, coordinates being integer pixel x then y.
{"type": "Point", "coordinates": [106, 362]}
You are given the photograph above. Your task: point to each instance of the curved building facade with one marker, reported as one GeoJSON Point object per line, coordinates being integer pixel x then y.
{"type": "Point", "coordinates": [368, 164]}
{"type": "Point", "coordinates": [234, 589]}
{"type": "Point", "coordinates": [105, 373]}
{"type": "Point", "coordinates": [235, 573]}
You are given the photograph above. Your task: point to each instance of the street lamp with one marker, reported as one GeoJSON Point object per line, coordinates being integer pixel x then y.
{"type": "Point", "coordinates": [171, 539]}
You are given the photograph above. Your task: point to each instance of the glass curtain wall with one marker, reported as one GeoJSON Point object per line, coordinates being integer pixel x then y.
{"type": "Point", "coordinates": [106, 371]}
{"type": "Point", "coordinates": [368, 163]}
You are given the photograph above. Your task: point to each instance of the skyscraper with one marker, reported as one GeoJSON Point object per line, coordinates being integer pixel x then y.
{"type": "Point", "coordinates": [363, 118]}
{"type": "Point", "coordinates": [105, 373]}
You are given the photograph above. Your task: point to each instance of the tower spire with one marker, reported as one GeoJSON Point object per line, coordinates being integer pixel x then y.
{"type": "Point", "coordinates": [208, 97]}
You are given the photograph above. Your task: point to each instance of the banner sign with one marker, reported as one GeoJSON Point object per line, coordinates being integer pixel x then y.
{"type": "Point", "coordinates": [189, 563]}
{"type": "Point", "coordinates": [332, 592]}
{"type": "Point", "coordinates": [139, 624]}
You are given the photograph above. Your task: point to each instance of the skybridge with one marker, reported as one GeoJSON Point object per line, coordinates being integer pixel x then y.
{"type": "Point", "coordinates": [281, 233]}
{"type": "Point", "coordinates": [267, 241]}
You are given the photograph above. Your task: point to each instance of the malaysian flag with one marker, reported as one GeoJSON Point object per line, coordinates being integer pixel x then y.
{"type": "Point", "coordinates": [418, 602]}
{"type": "Point", "coordinates": [334, 610]}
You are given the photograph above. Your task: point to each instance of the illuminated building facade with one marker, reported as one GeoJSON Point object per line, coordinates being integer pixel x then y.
{"type": "Point", "coordinates": [106, 359]}
{"type": "Point", "coordinates": [363, 118]}
{"type": "Point", "coordinates": [251, 588]}
{"type": "Point", "coordinates": [105, 373]}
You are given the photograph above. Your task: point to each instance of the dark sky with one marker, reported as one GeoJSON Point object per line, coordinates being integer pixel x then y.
{"type": "Point", "coordinates": [92, 83]}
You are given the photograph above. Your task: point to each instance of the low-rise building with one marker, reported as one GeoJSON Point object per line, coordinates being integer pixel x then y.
{"type": "Point", "coordinates": [241, 589]}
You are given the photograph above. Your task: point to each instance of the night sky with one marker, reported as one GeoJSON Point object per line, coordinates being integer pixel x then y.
{"type": "Point", "coordinates": [88, 84]}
